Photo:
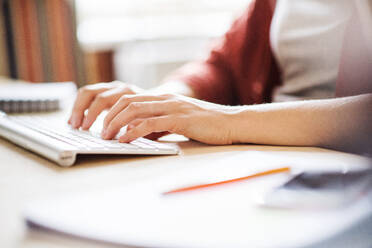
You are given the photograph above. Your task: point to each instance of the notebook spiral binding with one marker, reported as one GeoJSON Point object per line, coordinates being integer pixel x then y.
{"type": "Point", "coordinates": [28, 106]}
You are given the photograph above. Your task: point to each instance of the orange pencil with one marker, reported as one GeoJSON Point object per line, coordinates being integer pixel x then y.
{"type": "Point", "coordinates": [195, 187]}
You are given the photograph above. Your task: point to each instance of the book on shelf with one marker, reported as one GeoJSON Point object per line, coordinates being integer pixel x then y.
{"type": "Point", "coordinates": [39, 40]}
{"type": "Point", "coordinates": [4, 68]}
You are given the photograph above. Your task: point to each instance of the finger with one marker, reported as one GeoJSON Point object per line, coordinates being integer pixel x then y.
{"type": "Point", "coordinates": [134, 111]}
{"type": "Point", "coordinates": [85, 96]}
{"type": "Point", "coordinates": [152, 136]}
{"type": "Point", "coordinates": [134, 123]}
{"type": "Point", "coordinates": [124, 103]}
{"type": "Point", "coordinates": [83, 100]}
{"type": "Point", "coordinates": [101, 102]}
{"type": "Point", "coordinates": [148, 126]}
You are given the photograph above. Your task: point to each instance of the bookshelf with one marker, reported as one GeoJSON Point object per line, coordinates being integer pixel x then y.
{"type": "Point", "coordinates": [38, 43]}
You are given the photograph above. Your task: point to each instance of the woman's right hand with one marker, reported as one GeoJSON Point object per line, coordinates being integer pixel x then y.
{"type": "Point", "coordinates": [95, 98]}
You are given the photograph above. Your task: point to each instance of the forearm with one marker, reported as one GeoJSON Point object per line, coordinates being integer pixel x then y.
{"type": "Point", "coordinates": [342, 123]}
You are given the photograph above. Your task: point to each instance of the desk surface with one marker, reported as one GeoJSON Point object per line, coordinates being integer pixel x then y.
{"type": "Point", "coordinates": [25, 176]}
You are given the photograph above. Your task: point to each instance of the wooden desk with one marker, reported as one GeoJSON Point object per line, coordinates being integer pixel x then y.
{"type": "Point", "coordinates": [25, 176]}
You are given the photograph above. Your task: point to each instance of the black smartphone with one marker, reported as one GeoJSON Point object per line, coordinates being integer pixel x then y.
{"type": "Point", "coordinates": [321, 189]}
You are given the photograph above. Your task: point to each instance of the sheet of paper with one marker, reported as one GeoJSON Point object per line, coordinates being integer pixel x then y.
{"type": "Point", "coordinates": [226, 216]}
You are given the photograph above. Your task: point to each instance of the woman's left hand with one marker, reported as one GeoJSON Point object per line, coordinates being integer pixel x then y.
{"type": "Point", "coordinates": [146, 114]}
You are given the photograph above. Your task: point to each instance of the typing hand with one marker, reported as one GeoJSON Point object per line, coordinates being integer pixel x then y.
{"type": "Point", "coordinates": [146, 114]}
{"type": "Point", "coordinates": [96, 98]}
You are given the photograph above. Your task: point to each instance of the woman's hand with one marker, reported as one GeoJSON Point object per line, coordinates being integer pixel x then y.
{"type": "Point", "coordinates": [146, 114]}
{"type": "Point", "coordinates": [96, 98]}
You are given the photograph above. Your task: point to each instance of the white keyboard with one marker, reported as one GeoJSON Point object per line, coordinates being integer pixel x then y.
{"type": "Point", "coordinates": [89, 140]}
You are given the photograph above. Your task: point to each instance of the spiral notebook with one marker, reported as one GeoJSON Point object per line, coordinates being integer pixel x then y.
{"type": "Point", "coordinates": [34, 97]}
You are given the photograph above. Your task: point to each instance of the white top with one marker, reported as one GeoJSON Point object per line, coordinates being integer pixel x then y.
{"type": "Point", "coordinates": [356, 60]}
{"type": "Point", "coordinates": [306, 38]}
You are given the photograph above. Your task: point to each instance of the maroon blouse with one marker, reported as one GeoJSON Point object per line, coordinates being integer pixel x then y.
{"type": "Point", "coordinates": [241, 68]}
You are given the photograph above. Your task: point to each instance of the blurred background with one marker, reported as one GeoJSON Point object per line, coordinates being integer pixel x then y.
{"type": "Point", "coordinates": [89, 41]}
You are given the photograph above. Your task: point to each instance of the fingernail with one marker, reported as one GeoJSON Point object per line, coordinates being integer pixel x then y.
{"type": "Point", "coordinates": [75, 123]}
{"type": "Point", "coordinates": [124, 139]}
{"type": "Point", "coordinates": [85, 123]}
{"type": "Point", "coordinates": [104, 133]}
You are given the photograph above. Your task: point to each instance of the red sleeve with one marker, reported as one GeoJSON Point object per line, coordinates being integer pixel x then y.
{"type": "Point", "coordinates": [240, 69]}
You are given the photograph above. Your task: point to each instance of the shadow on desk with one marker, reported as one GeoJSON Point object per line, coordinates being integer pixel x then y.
{"type": "Point", "coordinates": [18, 155]}
{"type": "Point", "coordinates": [188, 148]}
{"type": "Point", "coordinates": [38, 237]}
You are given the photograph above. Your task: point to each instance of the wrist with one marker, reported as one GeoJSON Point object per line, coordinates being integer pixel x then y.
{"type": "Point", "coordinates": [240, 121]}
